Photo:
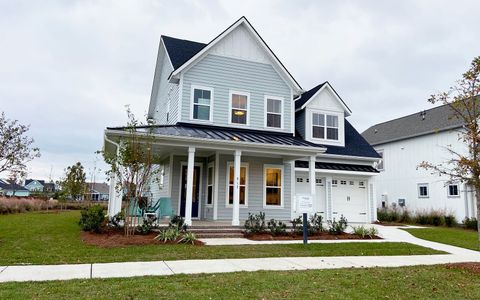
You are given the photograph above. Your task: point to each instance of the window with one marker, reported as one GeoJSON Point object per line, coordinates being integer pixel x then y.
{"type": "Point", "coordinates": [334, 182]}
{"type": "Point", "coordinates": [361, 183]}
{"type": "Point", "coordinates": [243, 184]}
{"type": "Point", "coordinates": [299, 179]}
{"type": "Point", "coordinates": [239, 108]}
{"type": "Point", "coordinates": [351, 182]}
{"type": "Point", "coordinates": [318, 181]}
{"type": "Point", "coordinates": [202, 103]}
{"type": "Point", "coordinates": [210, 180]}
{"type": "Point", "coordinates": [453, 190]}
{"type": "Point", "coordinates": [343, 182]}
{"type": "Point", "coordinates": [380, 163]}
{"type": "Point", "coordinates": [324, 126]}
{"type": "Point", "coordinates": [423, 190]}
{"type": "Point", "coordinates": [274, 112]}
{"type": "Point", "coordinates": [273, 185]}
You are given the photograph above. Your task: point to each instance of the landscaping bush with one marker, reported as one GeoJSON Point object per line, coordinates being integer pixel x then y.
{"type": "Point", "coordinates": [277, 228]}
{"type": "Point", "coordinates": [470, 223]}
{"type": "Point", "coordinates": [434, 217]}
{"type": "Point", "coordinates": [315, 223]}
{"type": "Point", "coordinates": [363, 231]}
{"type": "Point", "coordinates": [118, 220]}
{"type": "Point", "coordinates": [11, 205]}
{"type": "Point", "coordinates": [179, 223]}
{"type": "Point", "coordinates": [92, 218]}
{"type": "Point", "coordinates": [255, 223]}
{"type": "Point", "coordinates": [388, 215]}
{"type": "Point", "coordinates": [339, 227]}
{"type": "Point", "coordinates": [147, 226]}
{"type": "Point", "coordinates": [188, 238]}
{"type": "Point", "coordinates": [168, 234]}
{"type": "Point", "coordinates": [450, 220]}
{"type": "Point", "coordinates": [297, 227]}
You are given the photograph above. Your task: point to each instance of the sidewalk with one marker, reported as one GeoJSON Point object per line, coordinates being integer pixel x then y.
{"type": "Point", "coordinates": [159, 268]}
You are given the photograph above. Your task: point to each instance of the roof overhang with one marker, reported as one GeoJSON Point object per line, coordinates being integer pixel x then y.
{"type": "Point", "coordinates": [277, 63]}
{"type": "Point", "coordinates": [328, 86]}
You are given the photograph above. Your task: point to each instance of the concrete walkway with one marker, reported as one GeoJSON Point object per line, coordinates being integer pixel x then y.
{"type": "Point", "coordinates": [130, 269]}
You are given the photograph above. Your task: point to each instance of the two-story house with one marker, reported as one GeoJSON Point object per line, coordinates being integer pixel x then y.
{"type": "Point", "coordinates": [237, 135]}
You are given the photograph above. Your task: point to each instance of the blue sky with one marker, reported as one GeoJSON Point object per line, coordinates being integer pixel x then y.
{"type": "Point", "coordinates": [68, 68]}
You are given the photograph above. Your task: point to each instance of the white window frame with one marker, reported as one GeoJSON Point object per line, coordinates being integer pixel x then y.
{"type": "Point", "coordinates": [325, 126]}
{"type": "Point", "coordinates": [281, 99]}
{"type": "Point", "coordinates": [212, 184]}
{"type": "Point", "coordinates": [382, 151]}
{"type": "Point", "coordinates": [206, 88]}
{"type": "Point", "coordinates": [282, 186]}
{"type": "Point", "coordinates": [448, 190]}
{"type": "Point", "coordinates": [230, 164]}
{"type": "Point", "coordinates": [423, 185]}
{"type": "Point", "coordinates": [230, 94]}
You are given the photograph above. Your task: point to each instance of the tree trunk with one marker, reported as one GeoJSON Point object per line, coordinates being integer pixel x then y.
{"type": "Point", "coordinates": [477, 197]}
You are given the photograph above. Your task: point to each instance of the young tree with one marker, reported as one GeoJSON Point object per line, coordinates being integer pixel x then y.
{"type": "Point", "coordinates": [464, 101]}
{"type": "Point", "coordinates": [74, 182]}
{"type": "Point", "coordinates": [15, 147]}
{"type": "Point", "coordinates": [134, 166]}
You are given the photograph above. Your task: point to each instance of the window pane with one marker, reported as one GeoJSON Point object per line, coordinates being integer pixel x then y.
{"type": "Point", "coordinates": [274, 106]}
{"type": "Point", "coordinates": [201, 97]}
{"type": "Point", "coordinates": [201, 112]}
{"type": "Point", "coordinates": [332, 121]}
{"type": "Point", "coordinates": [210, 175]}
{"type": "Point", "coordinates": [239, 101]}
{"type": "Point", "coordinates": [273, 196]}
{"type": "Point", "coordinates": [210, 194]}
{"type": "Point", "coordinates": [332, 133]}
{"type": "Point", "coordinates": [274, 177]}
{"type": "Point", "coordinates": [318, 119]}
{"type": "Point", "coordinates": [239, 116]}
{"type": "Point", "coordinates": [230, 177]}
{"type": "Point", "coordinates": [318, 132]}
{"type": "Point", "coordinates": [230, 195]}
{"type": "Point", "coordinates": [243, 174]}
{"type": "Point", "coordinates": [242, 195]}
{"type": "Point", "coordinates": [274, 120]}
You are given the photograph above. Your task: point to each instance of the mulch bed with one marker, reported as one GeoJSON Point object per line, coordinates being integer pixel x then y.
{"type": "Point", "coordinates": [319, 236]}
{"type": "Point", "coordinates": [116, 238]}
{"type": "Point", "coordinates": [473, 267]}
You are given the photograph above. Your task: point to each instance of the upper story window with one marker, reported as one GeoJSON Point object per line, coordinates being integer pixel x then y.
{"type": "Point", "coordinates": [202, 103]}
{"type": "Point", "coordinates": [381, 162]}
{"type": "Point", "coordinates": [273, 118]}
{"type": "Point", "coordinates": [324, 126]}
{"type": "Point", "coordinates": [239, 108]}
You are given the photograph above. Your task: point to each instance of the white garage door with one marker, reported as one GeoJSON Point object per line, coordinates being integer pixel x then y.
{"type": "Point", "coordinates": [349, 198]}
{"type": "Point", "coordinates": [302, 187]}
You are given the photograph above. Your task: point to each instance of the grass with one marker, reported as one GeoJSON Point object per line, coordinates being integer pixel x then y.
{"type": "Point", "coordinates": [453, 236]}
{"type": "Point", "coordinates": [54, 238]}
{"type": "Point", "coordinates": [427, 282]}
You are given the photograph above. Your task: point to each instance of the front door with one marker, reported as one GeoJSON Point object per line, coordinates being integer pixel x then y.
{"type": "Point", "coordinates": [196, 193]}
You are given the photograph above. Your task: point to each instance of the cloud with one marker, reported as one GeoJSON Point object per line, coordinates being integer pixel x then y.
{"type": "Point", "coordinates": [69, 67]}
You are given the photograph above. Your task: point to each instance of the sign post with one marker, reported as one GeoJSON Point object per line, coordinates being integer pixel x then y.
{"type": "Point", "coordinates": [305, 206]}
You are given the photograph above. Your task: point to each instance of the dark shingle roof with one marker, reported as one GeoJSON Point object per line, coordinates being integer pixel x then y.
{"type": "Point", "coordinates": [355, 145]}
{"type": "Point", "coordinates": [99, 187]}
{"type": "Point", "coordinates": [307, 95]}
{"type": "Point", "coordinates": [429, 121]}
{"type": "Point", "coordinates": [180, 51]}
{"type": "Point", "coordinates": [337, 167]}
{"type": "Point", "coordinates": [27, 181]}
{"type": "Point", "coordinates": [5, 185]}
{"type": "Point", "coordinates": [227, 134]}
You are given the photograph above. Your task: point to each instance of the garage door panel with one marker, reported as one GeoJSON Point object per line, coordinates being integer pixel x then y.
{"type": "Point", "coordinates": [302, 187]}
{"type": "Point", "coordinates": [349, 198]}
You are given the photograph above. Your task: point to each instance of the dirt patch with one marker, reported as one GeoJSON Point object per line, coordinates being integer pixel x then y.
{"type": "Point", "coordinates": [319, 236]}
{"type": "Point", "coordinates": [473, 267]}
{"type": "Point", "coordinates": [116, 238]}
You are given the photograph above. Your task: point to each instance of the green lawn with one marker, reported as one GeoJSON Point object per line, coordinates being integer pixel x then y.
{"type": "Point", "coordinates": [452, 236]}
{"type": "Point", "coordinates": [54, 238]}
{"type": "Point", "coordinates": [427, 282]}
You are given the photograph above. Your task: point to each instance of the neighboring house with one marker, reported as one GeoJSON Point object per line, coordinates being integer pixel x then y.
{"type": "Point", "coordinates": [34, 185]}
{"type": "Point", "coordinates": [404, 143]}
{"type": "Point", "coordinates": [238, 135]}
{"type": "Point", "coordinates": [97, 191]}
{"type": "Point", "coordinates": [50, 187]}
{"type": "Point", "coordinates": [12, 189]}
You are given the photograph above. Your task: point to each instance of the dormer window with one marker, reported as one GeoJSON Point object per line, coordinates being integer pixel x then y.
{"type": "Point", "coordinates": [324, 126]}
{"type": "Point", "coordinates": [239, 108]}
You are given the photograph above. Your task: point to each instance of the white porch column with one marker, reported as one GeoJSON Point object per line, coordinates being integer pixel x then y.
{"type": "Point", "coordinates": [372, 212]}
{"type": "Point", "coordinates": [114, 197]}
{"type": "Point", "coordinates": [236, 188]}
{"type": "Point", "coordinates": [188, 201]}
{"type": "Point", "coordinates": [328, 199]}
{"type": "Point", "coordinates": [311, 176]}
{"type": "Point", "coordinates": [215, 192]}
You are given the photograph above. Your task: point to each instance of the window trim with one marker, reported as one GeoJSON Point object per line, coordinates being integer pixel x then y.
{"type": "Point", "coordinates": [325, 126]}
{"type": "Point", "coordinates": [230, 94]}
{"type": "Point", "coordinates": [382, 159]}
{"type": "Point", "coordinates": [282, 186]}
{"type": "Point", "coordinates": [282, 114]}
{"type": "Point", "coordinates": [458, 190]}
{"type": "Point", "coordinates": [205, 88]}
{"type": "Point", "coordinates": [227, 184]}
{"type": "Point", "coordinates": [423, 185]}
{"type": "Point", "coordinates": [210, 165]}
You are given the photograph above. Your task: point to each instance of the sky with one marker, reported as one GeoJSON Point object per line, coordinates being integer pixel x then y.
{"type": "Point", "coordinates": [68, 68]}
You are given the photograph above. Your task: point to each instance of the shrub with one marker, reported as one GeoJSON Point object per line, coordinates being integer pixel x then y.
{"type": "Point", "coordinates": [339, 227]}
{"type": "Point", "coordinates": [188, 238]}
{"type": "Point", "coordinates": [178, 222]}
{"type": "Point", "coordinates": [315, 223]}
{"type": "Point", "coordinates": [147, 225]}
{"type": "Point", "coordinates": [434, 217]}
{"type": "Point", "coordinates": [255, 223]}
{"type": "Point", "coordinates": [277, 228]}
{"type": "Point", "coordinates": [118, 220]}
{"type": "Point", "coordinates": [470, 223]}
{"type": "Point", "coordinates": [363, 231]}
{"type": "Point", "coordinates": [297, 225]}
{"type": "Point", "coordinates": [450, 220]}
{"type": "Point", "coordinates": [169, 234]}
{"type": "Point", "coordinates": [92, 218]}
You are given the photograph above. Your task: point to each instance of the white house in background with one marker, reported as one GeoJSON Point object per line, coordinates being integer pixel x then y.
{"type": "Point", "coordinates": [97, 191]}
{"type": "Point", "coordinates": [237, 135]}
{"type": "Point", "coordinates": [34, 185]}
{"type": "Point", "coordinates": [403, 144]}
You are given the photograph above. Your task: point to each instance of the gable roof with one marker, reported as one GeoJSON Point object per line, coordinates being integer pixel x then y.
{"type": "Point", "coordinates": [99, 187]}
{"type": "Point", "coordinates": [5, 185]}
{"type": "Point", "coordinates": [28, 181]}
{"type": "Point", "coordinates": [180, 51]}
{"type": "Point", "coordinates": [302, 101]}
{"type": "Point", "coordinates": [243, 20]}
{"type": "Point", "coordinates": [429, 121]}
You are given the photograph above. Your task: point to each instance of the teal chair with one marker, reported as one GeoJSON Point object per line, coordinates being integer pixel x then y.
{"type": "Point", "coordinates": [134, 209]}
{"type": "Point", "coordinates": [165, 208]}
